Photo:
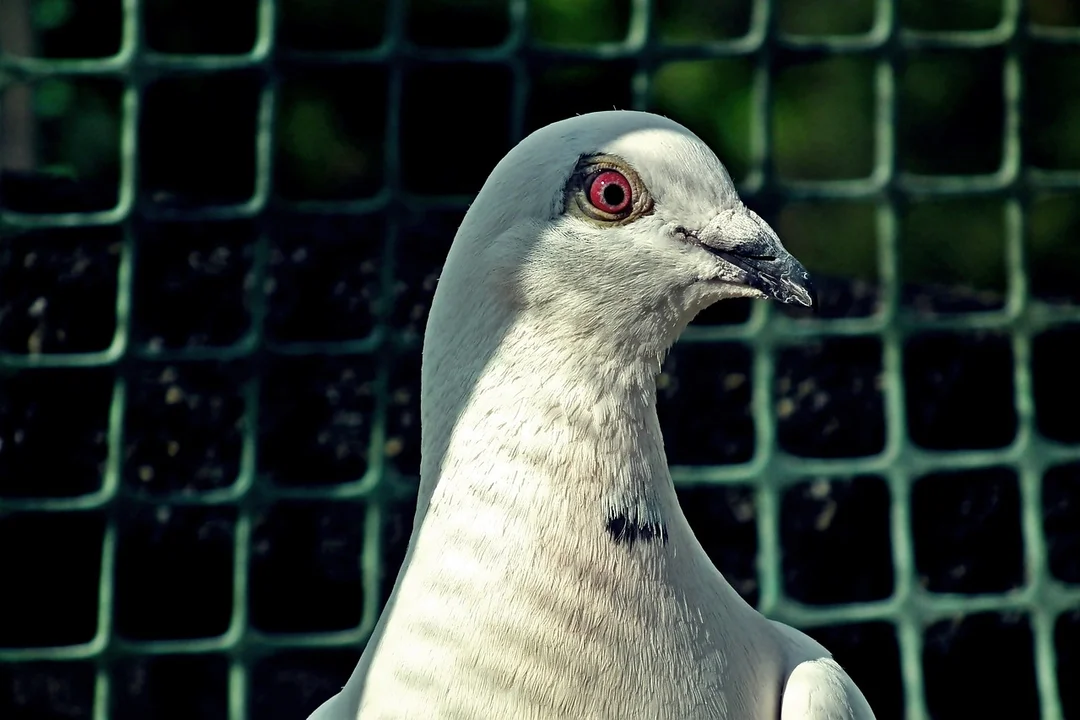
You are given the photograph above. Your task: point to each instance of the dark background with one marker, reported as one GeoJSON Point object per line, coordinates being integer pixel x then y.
{"type": "Point", "coordinates": [268, 357]}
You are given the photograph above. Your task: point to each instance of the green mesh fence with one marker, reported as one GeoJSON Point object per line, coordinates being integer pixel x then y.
{"type": "Point", "coordinates": [243, 396]}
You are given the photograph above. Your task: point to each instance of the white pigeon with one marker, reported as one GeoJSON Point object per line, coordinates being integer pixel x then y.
{"type": "Point", "coordinates": [551, 572]}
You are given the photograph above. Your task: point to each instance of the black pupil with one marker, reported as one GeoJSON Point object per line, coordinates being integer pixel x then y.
{"type": "Point", "coordinates": [613, 195]}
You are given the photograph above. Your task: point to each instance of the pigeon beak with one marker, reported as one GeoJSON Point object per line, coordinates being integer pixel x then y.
{"type": "Point", "coordinates": [766, 265]}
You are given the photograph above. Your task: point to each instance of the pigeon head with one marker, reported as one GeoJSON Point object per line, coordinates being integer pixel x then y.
{"type": "Point", "coordinates": [621, 222]}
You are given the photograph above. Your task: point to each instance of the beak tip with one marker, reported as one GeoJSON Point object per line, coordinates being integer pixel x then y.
{"type": "Point", "coordinates": [810, 297]}
{"type": "Point", "coordinates": [801, 290]}
{"type": "Point", "coordinates": [766, 266]}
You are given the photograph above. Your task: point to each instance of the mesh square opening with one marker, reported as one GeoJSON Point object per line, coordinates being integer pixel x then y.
{"type": "Point", "coordinates": [552, 22]}
{"type": "Point", "coordinates": [1052, 74]}
{"type": "Point", "coordinates": [703, 400]}
{"type": "Point", "coordinates": [1056, 384]}
{"type": "Point", "coordinates": [966, 531]}
{"type": "Point", "coordinates": [174, 572]}
{"type": "Point", "coordinates": [58, 564]}
{"type": "Point", "coordinates": [714, 100]}
{"type": "Point", "coordinates": [560, 90]}
{"type": "Point", "coordinates": [184, 428]}
{"type": "Point", "coordinates": [171, 688]}
{"type": "Point", "coordinates": [951, 112]}
{"type": "Point", "coordinates": [1061, 521]}
{"type": "Point", "coordinates": [952, 256]}
{"type": "Point", "coordinates": [836, 242]}
{"type": "Point", "coordinates": [39, 690]}
{"type": "Point", "coordinates": [331, 138]}
{"type": "Point", "coordinates": [691, 21]}
{"type": "Point", "coordinates": [820, 521]}
{"type": "Point", "coordinates": [827, 398]}
{"type": "Point", "coordinates": [62, 29]}
{"type": "Point", "coordinates": [965, 656]}
{"type": "Point", "coordinates": [960, 15]}
{"type": "Point", "coordinates": [1067, 651]}
{"type": "Point", "coordinates": [197, 139]}
{"type": "Point", "coordinates": [192, 282]}
{"type": "Point", "coordinates": [332, 26]}
{"type": "Point", "coordinates": [471, 135]}
{"type": "Point", "coordinates": [724, 519]}
{"type": "Point", "coordinates": [959, 390]}
{"type": "Point", "coordinates": [1053, 255]}
{"type": "Point", "coordinates": [60, 145]}
{"type": "Point", "coordinates": [456, 24]}
{"type": "Point", "coordinates": [293, 684]}
{"type": "Point", "coordinates": [734, 311]}
{"type": "Point", "coordinates": [1054, 14]}
{"type": "Point", "coordinates": [201, 27]}
{"type": "Point", "coordinates": [316, 418]}
{"type": "Point", "coordinates": [402, 445]}
{"type": "Point", "coordinates": [832, 17]}
{"type": "Point", "coordinates": [58, 290]}
{"type": "Point", "coordinates": [421, 250]}
{"type": "Point", "coordinates": [54, 427]}
{"type": "Point", "coordinates": [325, 278]}
{"type": "Point", "coordinates": [823, 119]}
{"type": "Point", "coordinates": [316, 546]}
{"type": "Point", "coordinates": [870, 654]}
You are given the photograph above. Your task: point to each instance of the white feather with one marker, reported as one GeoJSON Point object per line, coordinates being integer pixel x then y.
{"type": "Point", "coordinates": [538, 419]}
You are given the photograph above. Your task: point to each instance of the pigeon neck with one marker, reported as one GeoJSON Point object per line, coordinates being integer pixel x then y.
{"type": "Point", "coordinates": [540, 426]}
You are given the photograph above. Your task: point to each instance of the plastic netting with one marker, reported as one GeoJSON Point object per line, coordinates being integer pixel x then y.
{"type": "Point", "coordinates": [209, 369]}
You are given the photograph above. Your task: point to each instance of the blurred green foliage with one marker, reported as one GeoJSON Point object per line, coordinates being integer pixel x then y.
{"type": "Point", "coordinates": [825, 121]}
{"type": "Point", "coordinates": [956, 242]}
{"type": "Point", "coordinates": [583, 22]}
{"type": "Point", "coordinates": [826, 17]}
{"type": "Point", "coordinates": [50, 14]}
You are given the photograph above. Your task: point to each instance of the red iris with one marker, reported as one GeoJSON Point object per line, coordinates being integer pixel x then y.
{"type": "Point", "coordinates": [609, 190]}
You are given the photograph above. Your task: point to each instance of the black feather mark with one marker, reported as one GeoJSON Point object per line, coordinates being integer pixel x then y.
{"type": "Point", "coordinates": [624, 531]}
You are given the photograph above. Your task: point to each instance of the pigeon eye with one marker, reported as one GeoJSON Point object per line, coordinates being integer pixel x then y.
{"type": "Point", "coordinates": [604, 189]}
{"type": "Point", "coordinates": [609, 191]}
